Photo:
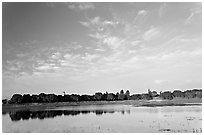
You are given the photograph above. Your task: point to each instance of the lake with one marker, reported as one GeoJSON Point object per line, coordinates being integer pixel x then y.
{"type": "Point", "coordinates": [105, 118]}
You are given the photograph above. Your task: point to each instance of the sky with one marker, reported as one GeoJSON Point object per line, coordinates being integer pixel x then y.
{"type": "Point", "coordinates": [85, 48]}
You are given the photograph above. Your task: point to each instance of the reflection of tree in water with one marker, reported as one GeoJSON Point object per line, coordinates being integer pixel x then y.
{"type": "Point", "coordinates": [26, 115]}
{"type": "Point", "coordinates": [99, 112]}
{"type": "Point", "coordinates": [15, 116]}
{"type": "Point", "coordinates": [3, 113]}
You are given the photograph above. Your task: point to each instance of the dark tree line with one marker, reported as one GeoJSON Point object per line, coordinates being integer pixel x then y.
{"type": "Point", "coordinates": [51, 98]}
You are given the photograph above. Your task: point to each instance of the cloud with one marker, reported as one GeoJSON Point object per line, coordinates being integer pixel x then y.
{"type": "Point", "coordinates": [56, 55]}
{"type": "Point", "coordinates": [99, 24]}
{"type": "Point", "coordinates": [98, 36]}
{"type": "Point", "coordinates": [142, 12]}
{"type": "Point", "coordinates": [32, 58]}
{"type": "Point", "coordinates": [104, 32]}
{"type": "Point", "coordinates": [151, 33]}
{"type": "Point", "coordinates": [67, 63]}
{"type": "Point", "coordinates": [189, 19]}
{"type": "Point", "coordinates": [13, 65]}
{"type": "Point", "coordinates": [90, 57]}
{"type": "Point", "coordinates": [159, 81]}
{"type": "Point", "coordinates": [175, 58]}
{"type": "Point", "coordinates": [95, 20]}
{"type": "Point", "coordinates": [132, 51]}
{"type": "Point", "coordinates": [47, 65]}
{"type": "Point", "coordinates": [20, 55]}
{"type": "Point", "coordinates": [136, 42]}
{"type": "Point", "coordinates": [72, 57]}
{"type": "Point", "coordinates": [86, 24]}
{"type": "Point", "coordinates": [67, 56]}
{"type": "Point", "coordinates": [81, 6]}
{"type": "Point", "coordinates": [44, 67]}
{"type": "Point", "coordinates": [106, 22]}
{"type": "Point", "coordinates": [112, 42]}
{"type": "Point", "coordinates": [91, 21]}
{"type": "Point", "coordinates": [100, 49]}
{"type": "Point", "coordinates": [75, 45]}
{"type": "Point", "coordinates": [195, 10]}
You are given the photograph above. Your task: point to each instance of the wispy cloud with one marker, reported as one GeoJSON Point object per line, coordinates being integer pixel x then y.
{"type": "Point", "coordinates": [95, 20]}
{"type": "Point", "coordinates": [151, 33]}
{"type": "Point", "coordinates": [44, 67]}
{"type": "Point", "coordinates": [135, 42]}
{"type": "Point", "coordinates": [110, 22]}
{"type": "Point", "coordinates": [56, 55]}
{"type": "Point", "coordinates": [14, 65]}
{"type": "Point", "coordinates": [142, 12]}
{"type": "Point", "coordinates": [81, 6]}
{"type": "Point", "coordinates": [188, 20]}
{"type": "Point", "coordinates": [132, 51]}
{"type": "Point", "coordinates": [86, 24]}
{"type": "Point", "coordinates": [100, 49]}
{"type": "Point", "coordinates": [90, 57]}
{"type": "Point", "coordinates": [159, 81]}
{"type": "Point", "coordinates": [194, 11]}
{"type": "Point", "coordinates": [112, 42]}
{"type": "Point", "coordinates": [99, 23]}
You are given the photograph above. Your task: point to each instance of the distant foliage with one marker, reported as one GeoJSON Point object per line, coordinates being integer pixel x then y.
{"type": "Point", "coordinates": [51, 98]}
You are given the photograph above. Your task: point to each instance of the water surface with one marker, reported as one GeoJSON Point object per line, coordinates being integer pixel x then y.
{"type": "Point", "coordinates": [106, 118]}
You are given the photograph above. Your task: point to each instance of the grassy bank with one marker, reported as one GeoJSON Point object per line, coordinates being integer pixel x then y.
{"type": "Point", "coordinates": [136, 103]}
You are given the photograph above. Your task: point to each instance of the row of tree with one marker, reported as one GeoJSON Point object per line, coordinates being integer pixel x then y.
{"type": "Point", "coordinates": [51, 98]}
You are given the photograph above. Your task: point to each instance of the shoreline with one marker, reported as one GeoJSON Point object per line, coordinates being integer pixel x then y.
{"type": "Point", "coordinates": [136, 103]}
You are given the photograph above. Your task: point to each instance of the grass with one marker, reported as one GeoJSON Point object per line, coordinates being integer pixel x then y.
{"type": "Point", "coordinates": [136, 103]}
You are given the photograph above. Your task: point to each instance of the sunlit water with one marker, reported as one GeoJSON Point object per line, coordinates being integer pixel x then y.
{"type": "Point", "coordinates": [106, 118]}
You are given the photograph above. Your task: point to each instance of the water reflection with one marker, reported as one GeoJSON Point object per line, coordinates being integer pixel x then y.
{"type": "Point", "coordinates": [26, 115]}
{"type": "Point", "coordinates": [42, 114]}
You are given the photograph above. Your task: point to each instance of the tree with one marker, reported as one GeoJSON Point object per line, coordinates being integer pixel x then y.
{"type": "Point", "coordinates": [166, 95]}
{"type": "Point", "coordinates": [4, 101]}
{"type": "Point", "coordinates": [27, 98]}
{"type": "Point", "coordinates": [35, 98]}
{"type": "Point", "coordinates": [127, 95]}
{"type": "Point", "coordinates": [16, 98]}
{"type": "Point", "coordinates": [121, 95]}
{"type": "Point", "coordinates": [75, 97]}
{"type": "Point", "coordinates": [178, 93]}
{"type": "Point", "coordinates": [98, 96]}
{"type": "Point", "coordinates": [104, 96]}
{"type": "Point", "coordinates": [189, 94]}
{"type": "Point", "coordinates": [51, 98]}
{"type": "Point", "coordinates": [136, 97]}
{"type": "Point", "coordinates": [121, 92]}
{"type": "Point", "coordinates": [117, 96]}
{"type": "Point", "coordinates": [42, 98]}
{"type": "Point", "coordinates": [110, 97]}
{"type": "Point", "coordinates": [84, 98]}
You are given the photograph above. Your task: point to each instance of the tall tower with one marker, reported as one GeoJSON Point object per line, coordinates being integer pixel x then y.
{"type": "Point", "coordinates": [149, 91]}
{"type": "Point", "coordinates": [64, 93]}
